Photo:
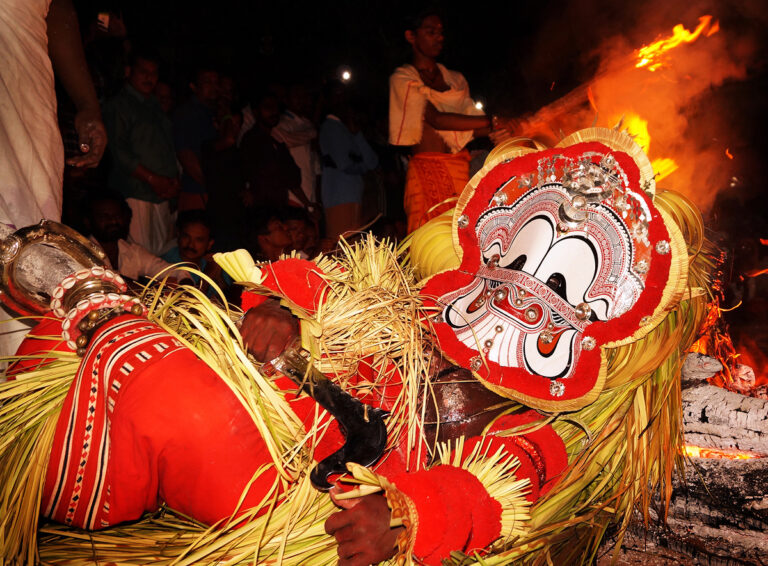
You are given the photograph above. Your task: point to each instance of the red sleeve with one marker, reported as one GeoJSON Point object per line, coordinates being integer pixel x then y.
{"type": "Point", "coordinates": [541, 452]}
{"type": "Point", "coordinates": [454, 511]}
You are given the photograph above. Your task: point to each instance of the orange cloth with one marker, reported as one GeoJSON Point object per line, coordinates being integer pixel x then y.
{"type": "Point", "coordinates": [432, 178]}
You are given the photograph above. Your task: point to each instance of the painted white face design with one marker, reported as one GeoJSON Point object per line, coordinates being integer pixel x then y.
{"type": "Point", "coordinates": [539, 287]}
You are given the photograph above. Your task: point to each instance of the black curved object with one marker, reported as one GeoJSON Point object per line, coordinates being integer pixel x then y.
{"type": "Point", "coordinates": [363, 426]}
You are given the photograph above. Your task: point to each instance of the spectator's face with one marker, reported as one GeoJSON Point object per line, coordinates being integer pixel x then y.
{"type": "Point", "coordinates": [278, 235]}
{"type": "Point", "coordinates": [269, 111]}
{"type": "Point", "coordinates": [194, 242]}
{"type": "Point", "coordinates": [226, 91]}
{"type": "Point", "coordinates": [298, 232]}
{"type": "Point", "coordinates": [206, 87]}
{"type": "Point", "coordinates": [164, 95]}
{"type": "Point", "coordinates": [427, 39]}
{"type": "Point", "coordinates": [143, 76]}
{"type": "Point", "coordinates": [109, 221]}
{"type": "Point", "coordinates": [299, 100]}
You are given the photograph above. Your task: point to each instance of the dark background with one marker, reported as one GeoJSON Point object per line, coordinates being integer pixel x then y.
{"type": "Point", "coordinates": [517, 55]}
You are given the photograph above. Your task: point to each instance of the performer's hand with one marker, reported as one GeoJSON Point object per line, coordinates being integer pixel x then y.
{"type": "Point", "coordinates": [362, 531]}
{"type": "Point", "coordinates": [268, 329]}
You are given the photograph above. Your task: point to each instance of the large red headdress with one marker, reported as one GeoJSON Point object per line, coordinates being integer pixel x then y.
{"type": "Point", "coordinates": [563, 254]}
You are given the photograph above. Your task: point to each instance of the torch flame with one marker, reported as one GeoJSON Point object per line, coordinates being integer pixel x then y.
{"type": "Point", "coordinates": [650, 56]}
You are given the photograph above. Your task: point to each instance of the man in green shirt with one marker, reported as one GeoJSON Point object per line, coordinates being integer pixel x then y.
{"type": "Point", "coordinates": [144, 166]}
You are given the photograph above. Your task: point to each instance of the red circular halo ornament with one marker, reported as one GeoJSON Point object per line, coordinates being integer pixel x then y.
{"type": "Point", "coordinates": [563, 254]}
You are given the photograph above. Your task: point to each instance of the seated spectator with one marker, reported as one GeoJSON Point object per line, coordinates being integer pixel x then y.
{"type": "Point", "coordinates": [108, 219]}
{"type": "Point", "coordinates": [268, 238]}
{"type": "Point", "coordinates": [301, 228]}
{"type": "Point", "coordinates": [195, 237]}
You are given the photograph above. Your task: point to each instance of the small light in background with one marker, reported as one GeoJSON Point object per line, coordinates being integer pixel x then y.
{"type": "Point", "coordinates": [479, 105]}
{"type": "Point", "coordinates": [345, 74]}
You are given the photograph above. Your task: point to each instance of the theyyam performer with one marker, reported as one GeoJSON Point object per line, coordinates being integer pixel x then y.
{"type": "Point", "coordinates": [522, 353]}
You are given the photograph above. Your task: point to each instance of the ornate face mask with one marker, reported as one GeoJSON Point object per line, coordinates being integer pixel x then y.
{"type": "Point", "coordinates": [562, 255]}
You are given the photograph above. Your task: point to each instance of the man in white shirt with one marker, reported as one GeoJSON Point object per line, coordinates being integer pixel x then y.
{"type": "Point", "coordinates": [109, 217]}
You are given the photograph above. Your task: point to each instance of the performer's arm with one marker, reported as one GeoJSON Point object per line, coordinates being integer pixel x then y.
{"type": "Point", "coordinates": [449, 508]}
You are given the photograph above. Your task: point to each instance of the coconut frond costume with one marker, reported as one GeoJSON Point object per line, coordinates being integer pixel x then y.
{"type": "Point", "coordinates": [565, 286]}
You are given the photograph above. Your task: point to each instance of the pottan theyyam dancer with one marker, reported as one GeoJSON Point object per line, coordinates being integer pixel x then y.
{"type": "Point", "coordinates": [567, 293]}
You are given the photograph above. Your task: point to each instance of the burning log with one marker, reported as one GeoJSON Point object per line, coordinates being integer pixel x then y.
{"type": "Point", "coordinates": [697, 368]}
{"type": "Point", "coordinates": [718, 515]}
{"type": "Point", "coordinates": [716, 418]}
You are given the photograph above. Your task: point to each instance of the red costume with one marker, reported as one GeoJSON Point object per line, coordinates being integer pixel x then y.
{"type": "Point", "coordinates": [147, 422]}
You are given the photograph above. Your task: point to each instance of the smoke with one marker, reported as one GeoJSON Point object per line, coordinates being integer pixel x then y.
{"type": "Point", "coordinates": [691, 118]}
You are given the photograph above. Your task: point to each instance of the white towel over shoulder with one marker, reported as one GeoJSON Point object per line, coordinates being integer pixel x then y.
{"type": "Point", "coordinates": [408, 96]}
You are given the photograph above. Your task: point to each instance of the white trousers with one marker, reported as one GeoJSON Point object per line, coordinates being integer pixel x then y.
{"type": "Point", "coordinates": [152, 225]}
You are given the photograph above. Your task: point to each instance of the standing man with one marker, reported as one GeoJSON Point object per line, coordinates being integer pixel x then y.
{"type": "Point", "coordinates": [299, 134]}
{"type": "Point", "coordinates": [38, 37]}
{"type": "Point", "coordinates": [347, 156]}
{"type": "Point", "coordinates": [144, 160]}
{"type": "Point", "coordinates": [270, 172]}
{"type": "Point", "coordinates": [431, 111]}
{"type": "Point", "coordinates": [193, 125]}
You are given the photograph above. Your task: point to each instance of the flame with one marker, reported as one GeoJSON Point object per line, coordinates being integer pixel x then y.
{"type": "Point", "coordinates": [638, 129]}
{"type": "Point", "coordinates": [750, 354]}
{"type": "Point", "coordinates": [700, 452]}
{"type": "Point", "coordinates": [591, 98]}
{"type": "Point", "coordinates": [664, 167]}
{"type": "Point", "coordinates": [650, 56]}
{"type": "Point", "coordinates": [764, 241]}
{"type": "Point", "coordinates": [756, 272]}
{"type": "Point", "coordinates": [728, 153]}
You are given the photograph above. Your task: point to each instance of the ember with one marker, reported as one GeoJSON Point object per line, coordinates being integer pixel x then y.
{"type": "Point", "coordinates": [701, 452]}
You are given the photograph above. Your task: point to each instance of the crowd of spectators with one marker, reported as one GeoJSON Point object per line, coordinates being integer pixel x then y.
{"type": "Point", "coordinates": [206, 164]}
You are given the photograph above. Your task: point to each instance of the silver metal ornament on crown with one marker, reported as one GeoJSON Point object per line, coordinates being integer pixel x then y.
{"type": "Point", "coordinates": [35, 259]}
